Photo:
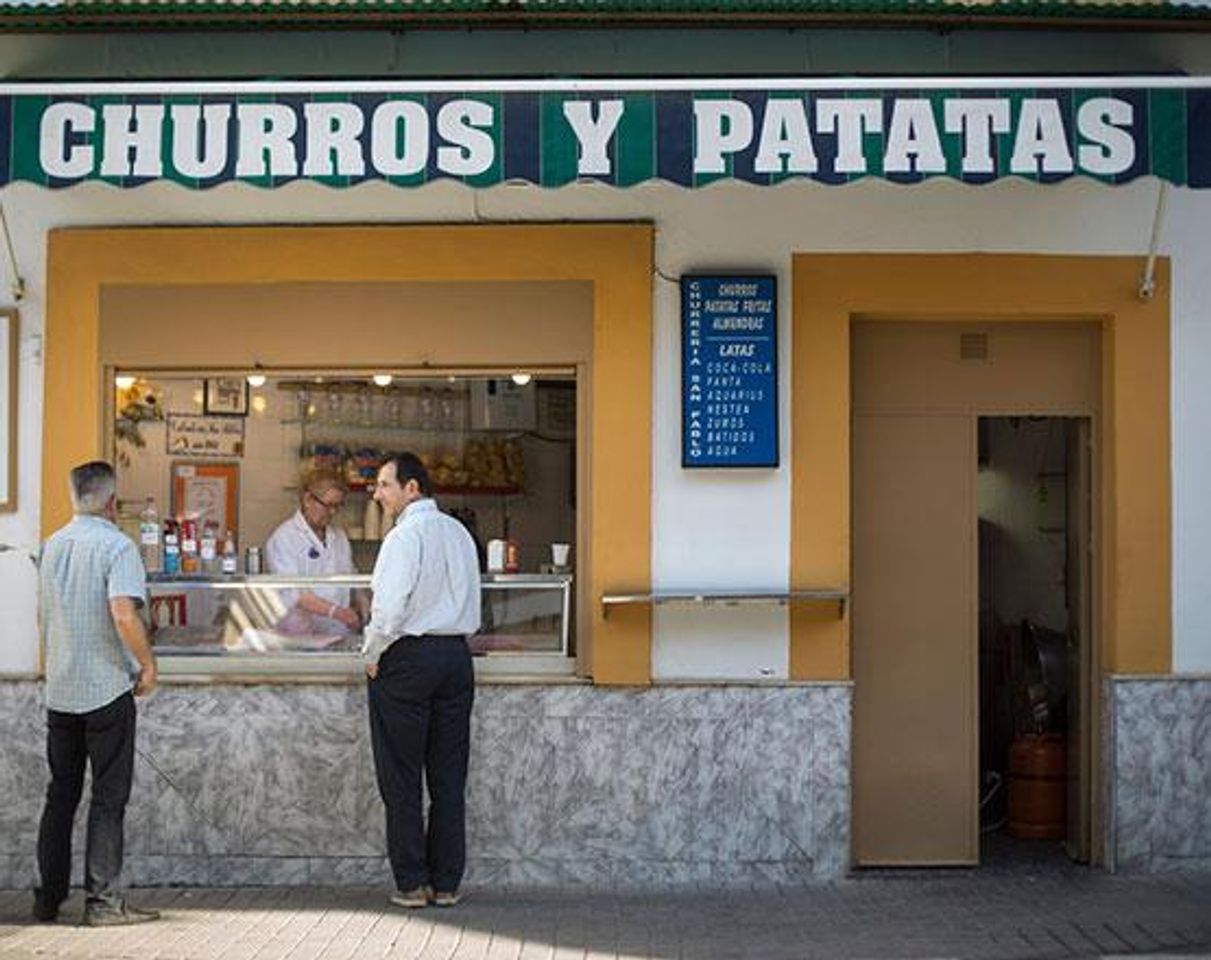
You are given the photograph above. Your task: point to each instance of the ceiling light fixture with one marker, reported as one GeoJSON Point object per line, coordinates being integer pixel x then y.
{"type": "Point", "coordinates": [521, 379]}
{"type": "Point", "coordinates": [383, 379]}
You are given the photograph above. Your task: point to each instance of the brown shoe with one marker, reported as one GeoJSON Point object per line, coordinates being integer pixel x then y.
{"type": "Point", "coordinates": [411, 899]}
{"type": "Point", "coordinates": [446, 898]}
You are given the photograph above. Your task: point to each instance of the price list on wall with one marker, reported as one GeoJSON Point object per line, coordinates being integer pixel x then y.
{"type": "Point", "coordinates": [729, 372]}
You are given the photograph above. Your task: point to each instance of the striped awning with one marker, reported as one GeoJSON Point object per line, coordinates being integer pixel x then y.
{"type": "Point", "coordinates": [620, 133]}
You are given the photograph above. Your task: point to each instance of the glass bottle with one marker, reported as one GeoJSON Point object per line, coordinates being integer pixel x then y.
{"type": "Point", "coordinates": [208, 549]}
{"type": "Point", "coordinates": [229, 562]}
{"type": "Point", "coordinates": [172, 547]}
{"type": "Point", "coordinates": [189, 545]}
{"type": "Point", "coordinates": [150, 547]}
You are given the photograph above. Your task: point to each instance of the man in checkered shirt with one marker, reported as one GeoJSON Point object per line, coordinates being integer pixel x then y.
{"type": "Point", "coordinates": [98, 658]}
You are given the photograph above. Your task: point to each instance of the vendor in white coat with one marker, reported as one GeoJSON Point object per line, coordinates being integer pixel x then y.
{"type": "Point", "coordinates": [309, 544]}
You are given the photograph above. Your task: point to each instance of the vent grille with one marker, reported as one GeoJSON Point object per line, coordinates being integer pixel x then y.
{"type": "Point", "coordinates": [973, 346]}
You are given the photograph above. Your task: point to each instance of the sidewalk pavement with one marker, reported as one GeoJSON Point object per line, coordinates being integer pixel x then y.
{"type": "Point", "coordinates": [988, 913]}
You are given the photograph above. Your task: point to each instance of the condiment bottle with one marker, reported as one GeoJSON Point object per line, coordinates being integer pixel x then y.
{"type": "Point", "coordinates": [189, 545]}
{"type": "Point", "coordinates": [209, 547]}
{"type": "Point", "coordinates": [229, 562]}
{"type": "Point", "coordinates": [252, 560]}
{"type": "Point", "coordinates": [151, 547]}
{"type": "Point", "coordinates": [512, 564]}
{"type": "Point", "coordinates": [172, 547]}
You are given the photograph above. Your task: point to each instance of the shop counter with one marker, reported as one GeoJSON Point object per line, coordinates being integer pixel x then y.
{"type": "Point", "coordinates": [255, 625]}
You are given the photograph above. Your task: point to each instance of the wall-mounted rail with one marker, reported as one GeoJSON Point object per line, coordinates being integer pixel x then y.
{"type": "Point", "coordinates": [727, 598]}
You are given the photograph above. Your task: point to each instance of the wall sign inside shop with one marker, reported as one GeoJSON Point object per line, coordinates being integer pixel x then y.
{"type": "Point", "coordinates": [552, 133]}
{"type": "Point", "coordinates": [729, 372]}
{"type": "Point", "coordinates": [189, 436]}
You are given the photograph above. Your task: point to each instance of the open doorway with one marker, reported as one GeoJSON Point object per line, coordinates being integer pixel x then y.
{"type": "Point", "coordinates": [922, 395]}
{"type": "Point", "coordinates": [1034, 501]}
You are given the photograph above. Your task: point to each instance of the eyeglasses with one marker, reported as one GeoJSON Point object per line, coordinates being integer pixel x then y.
{"type": "Point", "coordinates": [330, 505]}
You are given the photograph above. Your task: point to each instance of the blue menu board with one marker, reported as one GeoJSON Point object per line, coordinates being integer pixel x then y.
{"type": "Point", "coordinates": [729, 372]}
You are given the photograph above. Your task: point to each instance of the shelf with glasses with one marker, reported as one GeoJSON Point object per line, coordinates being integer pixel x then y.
{"type": "Point", "coordinates": [321, 426]}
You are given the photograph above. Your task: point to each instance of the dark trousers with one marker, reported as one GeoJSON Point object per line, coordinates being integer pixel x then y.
{"type": "Point", "coordinates": [420, 720]}
{"type": "Point", "coordinates": [105, 739]}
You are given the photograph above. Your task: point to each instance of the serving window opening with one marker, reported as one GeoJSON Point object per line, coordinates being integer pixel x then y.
{"type": "Point", "coordinates": [211, 464]}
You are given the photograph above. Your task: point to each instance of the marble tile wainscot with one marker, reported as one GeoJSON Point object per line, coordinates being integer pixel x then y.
{"type": "Point", "coordinates": [665, 786]}
{"type": "Point", "coordinates": [1158, 772]}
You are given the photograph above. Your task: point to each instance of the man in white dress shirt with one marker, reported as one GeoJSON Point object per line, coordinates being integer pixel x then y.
{"type": "Point", "coordinates": [308, 544]}
{"type": "Point", "coordinates": [421, 682]}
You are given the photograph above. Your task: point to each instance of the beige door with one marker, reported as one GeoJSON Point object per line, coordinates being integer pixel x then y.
{"type": "Point", "coordinates": [915, 734]}
{"type": "Point", "coordinates": [918, 391]}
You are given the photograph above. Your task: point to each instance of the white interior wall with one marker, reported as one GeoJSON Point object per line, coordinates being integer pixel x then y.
{"type": "Point", "coordinates": [269, 468]}
{"type": "Point", "coordinates": [709, 529]}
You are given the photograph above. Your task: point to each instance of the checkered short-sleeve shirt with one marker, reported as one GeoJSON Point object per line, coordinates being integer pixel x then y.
{"type": "Point", "coordinates": [83, 566]}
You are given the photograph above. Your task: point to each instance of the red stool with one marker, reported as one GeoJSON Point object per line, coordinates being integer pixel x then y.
{"type": "Point", "coordinates": [168, 610]}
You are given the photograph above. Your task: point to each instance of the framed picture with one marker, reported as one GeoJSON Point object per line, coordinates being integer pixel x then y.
{"type": "Point", "coordinates": [8, 410]}
{"type": "Point", "coordinates": [208, 491]}
{"type": "Point", "coordinates": [225, 397]}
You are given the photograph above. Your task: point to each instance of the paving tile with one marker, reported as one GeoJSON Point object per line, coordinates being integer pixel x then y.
{"type": "Point", "coordinates": [1026, 914]}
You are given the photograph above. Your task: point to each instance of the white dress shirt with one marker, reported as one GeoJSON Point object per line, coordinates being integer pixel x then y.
{"type": "Point", "coordinates": [294, 549]}
{"type": "Point", "coordinates": [426, 580]}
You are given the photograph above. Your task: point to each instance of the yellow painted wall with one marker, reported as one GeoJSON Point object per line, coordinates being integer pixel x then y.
{"type": "Point", "coordinates": [615, 258]}
{"type": "Point", "coordinates": [833, 290]}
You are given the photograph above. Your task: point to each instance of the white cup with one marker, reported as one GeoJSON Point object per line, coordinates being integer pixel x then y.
{"type": "Point", "coordinates": [559, 554]}
{"type": "Point", "coordinates": [496, 556]}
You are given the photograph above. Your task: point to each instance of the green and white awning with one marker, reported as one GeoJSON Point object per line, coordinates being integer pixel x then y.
{"type": "Point", "coordinates": [622, 133]}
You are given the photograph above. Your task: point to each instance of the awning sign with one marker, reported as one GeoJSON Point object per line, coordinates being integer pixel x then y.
{"type": "Point", "coordinates": [551, 138]}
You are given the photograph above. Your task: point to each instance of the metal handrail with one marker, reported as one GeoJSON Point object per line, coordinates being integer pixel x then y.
{"type": "Point", "coordinates": [715, 597]}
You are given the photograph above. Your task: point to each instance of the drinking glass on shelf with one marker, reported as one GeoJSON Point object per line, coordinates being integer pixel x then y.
{"type": "Point", "coordinates": [334, 406]}
{"type": "Point", "coordinates": [392, 409]}
{"type": "Point", "coordinates": [361, 408]}
{"type": "Point", "coordinates": [426, 410]}
{"type": "Point", "coordinates": [448, 411]}
{"type": "Point", "coordinates": [409, 402]}
{"type": "Point", "coordinates": [302, 404]}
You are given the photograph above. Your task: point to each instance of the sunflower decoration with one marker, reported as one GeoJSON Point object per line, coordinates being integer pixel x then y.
{"type": "Point", "coordinates": [135, 404]}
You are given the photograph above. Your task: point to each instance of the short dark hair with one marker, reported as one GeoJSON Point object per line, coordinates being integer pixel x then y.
{"type": "Point", "coordinates": [92, 484]}
{"type": "Point", "coordinates": [408, 466]}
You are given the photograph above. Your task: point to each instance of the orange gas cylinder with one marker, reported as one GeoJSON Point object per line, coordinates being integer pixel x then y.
{"type": "Point", "coordinates": [1038, 787]}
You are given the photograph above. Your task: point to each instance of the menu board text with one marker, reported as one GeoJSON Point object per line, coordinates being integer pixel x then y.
{"type": "Point", "coordinates": [729, 372]}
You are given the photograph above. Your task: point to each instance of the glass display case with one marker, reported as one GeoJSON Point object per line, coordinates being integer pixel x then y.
{"type": "Point", "coordinates": [257, 623]}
